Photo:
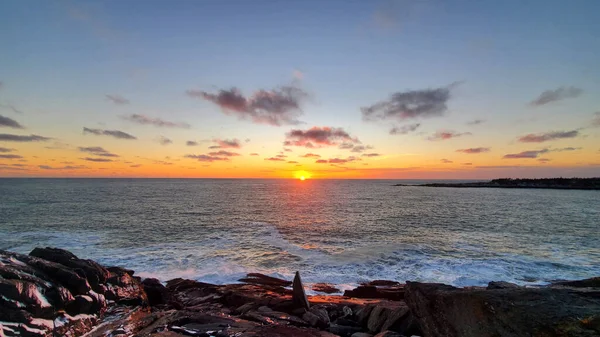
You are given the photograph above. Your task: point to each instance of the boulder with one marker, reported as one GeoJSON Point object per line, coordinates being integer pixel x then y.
{"type": "Point", "coordinates": [317, 317]}
{"type": "Point", "coordinates": [343, 330]}
{"type": "Point", "coordinates": [325, 288]}
{"type": "Point", "coordinates": [256, 278]}
{"type": "Point", "coordinates": [593, 282]}
{"type": "Point", "coordinates": [501, 285]}
{"type": "Point", "coordinates": [446, 311]}
{"type": "Point", "coordinates": [298, 295]}
{"type": "Point", "coordinates": [394, 293]}
{"type": "Point", "coordinates": [157, 293]}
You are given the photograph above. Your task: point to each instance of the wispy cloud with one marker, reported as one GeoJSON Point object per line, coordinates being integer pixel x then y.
{"type": "Point", "coordinates": [317, 137]}
{"type": "Point", "coordinates": [406, 105]}
{"type": "Point", "coordinates": [275, 159]}
{"type": "Point", "coordinates": [224, 153]}
{"type": "Point", "coordinates": [22, 138]}
{"type": "Point", "coordinates": [476, 122]}
{"type": "Point", "coordinates": [558, 94]}
{"type": "Point", "coordinates": [596, 119]}
{"type": "Point", "coordinates": [68, 167]}
{"type": "Point", "coordinates": [446, 134]}
{"type": "Point", "coordinates": [98, 160]}
{"type": "Point", "coordinates": [162, 140]}
{"type": "Point", "coordinates": [311, 155]}
{"type": "Point", "coordinates": [135, 165]}
{"type": "Point", "coordinates": [191, 143]}
{"type": "Point", "coordinates": [280, 106]}
{"type": "Point", "coordinates": [474, 150]}
{"type": "Point", "coordinates": [292, 162]}
{"type": "Point", "coordinates": [113, 133]}
{"type": "Point", "coordinates": [5, 150]}
{"type": "Point", "coordinates": [446, 161]}
{"type": "Point", "coordinates": [11, 108]}
{"type": "Point", "coordinates": [10, 123]}
{"type": "Point", "coordinates": [117, 99]}
{"type": "Point", "coordinates": [405, 129]}
{"type": "Point", "coordinates": [337, 160]}
{"type": "Point", "coordinates": [97, 151]}
{"type": "Point", "coordinates": [158, 122]}
{"type": "Point", "coordinates": [544, 160]}
{"type": "Point", "coordinates": [254, 154]}
{"type": "Point", "coordinates": [548, 136]}
{"type": "Point", "coordinates": [206, 158]}
{"type": "Point", "coordinates": [10, 156]}
{"type": "Point", "coordinates": [226, 144]}
{"type": "Point", "coordinates": [526, 154]}
{"type": "Point", "coordinates": [371, 155]}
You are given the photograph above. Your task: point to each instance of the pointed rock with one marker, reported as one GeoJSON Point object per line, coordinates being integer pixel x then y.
{"type": "Point", "coordinates": [298, 295]}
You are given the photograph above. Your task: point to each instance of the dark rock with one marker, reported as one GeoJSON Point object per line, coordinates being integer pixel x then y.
{"type": "Point", "coordinates": [382, 283]}
{"type": "Point", "coordinates": [157, 293]}
{"type": "Point", "coordinates": [57, 273]}
{"type": "Point", "coordinates": [363, 291]}
{"type": "Point", "coordinates": [363, 314]}
{"type": "Point", "coordinates": [378, 317]}
{"type": "Point", "coordinates": [81, 305]}
{"type": "Point", "coordinates": [256, 278]}
{"type": "Point", "coordinates": [343, 330]}
{"type": "Point", "coordinates": [361, 334]}
{"type": "Point", "coordinates": [593, 282]}
{"type": "Point", "coordinates": [299, 296]}
{"type": "Point", "coordinates": [501, 285]}
{"type": "Point", "coordinates": [124, 288]}
{"type": "Point", "coordinates": [325, 288]}
{"type": "Point", "coordinates": [388, 334]}
{"type": "Point", "coordinates": [317, 317]}
{"type": "Point", "coordinates": [92, 271]}
{"type": "Point", "coordinates": [395, 293]}
{"type": "Point", "coordinates": [446, 311]}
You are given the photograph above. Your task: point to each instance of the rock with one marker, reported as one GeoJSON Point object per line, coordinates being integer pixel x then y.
{"type": "Point", "coordinates": [363, 314]}
{"type": "Point", "coordinates": [298, 295]}
{"type": "Point", "coordinates": [446, 311]}
{"type": "Point", "coordinates": [256, 278]}
{"type": "Point", "coordinates": [378, 317]}
{"type": "Point", "coordinates": [501, 285]}
{"type": "Point", "coordinates": [388, 334]}
{"type": "Point", "coordinates": [395, 293]}
{"type": "Point", "coordinates": [593, 282]}
{"type": "Point", "coordinates": [343, 330]}
{"type": "Point", "coordinates": [361, 334]}
{"type": "Point", "coordinates": [81, 305]}
{"type": "Point", "coordinates": [124, 288]}
{"type": "Point", "coordinates": [382, 283]}
{"type": "Point", "coordinates": [157, 293]}
{"type": "Point", "coordinates": [325, 288]}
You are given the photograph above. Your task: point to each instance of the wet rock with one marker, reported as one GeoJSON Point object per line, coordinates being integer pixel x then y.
{"type": "Point", "coordinates": [157, 293]}
{"type": "Point", "coordinates": [388, 334]}
{"type": "Point", "coordinates": [325, 288]}
{"type": "Point", "coordinates": [124, 288]}
{"type": "Point", "coordinates": [361, 334]}
{"type": "Point", "coordinates": [593, 282]}
{"type": "Point", "coordinates": [82, 304]}
{"type": "Point", "coordinates": [382, 283]}
{"type": "Point", "coordinates": [394, 293]}
{"type": "Point", "coordinates": [447, 311]}
{"type": "Point", "coordinates": [256, 278]}
{"type": "Point", "coordinates": [317, 317]}
{"type": "Point", "coordinates": [501, 285]}
{"type": "Point", "coordinates": [299, 296]}
{"type": "Point", "coordinates": [343, 330]}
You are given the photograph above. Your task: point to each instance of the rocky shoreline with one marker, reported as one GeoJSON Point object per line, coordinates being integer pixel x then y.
{"type": "Point", "coordinates": [51, 292]}
{"type": "Point", "coordinates": [547, 183]}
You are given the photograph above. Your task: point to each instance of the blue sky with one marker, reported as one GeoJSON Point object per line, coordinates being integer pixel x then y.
{"type": "Point", "coordinates": [60, 59]}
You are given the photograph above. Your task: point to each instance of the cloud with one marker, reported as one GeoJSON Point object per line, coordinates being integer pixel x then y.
{"type": "Point", "coordinates": [337, 160]}
{"type": "Point", "coordinates": [68, 167]}
{"type": "Point", "coordinates": [281, 156]}
{"type": "Point", "coordinates": [164, 140]}
{"type": "Point", "coordinates": [10, 123]}
{"type": "Point", "coordinates": [205, 158]}
{"type": "Point", "coordinates": [10, 156]}
{"type": "Point", "coordinates": [97, 151]}
{"type": "Point", "coordinates": [224, 153]}
{"type": "Point", "coordinates": [135, 165]}
{"type": "Point", "coordinates": [11, 108]}
{"type": "Point", "coordinates": [5, 149]}
{"type": "Point", "coordinates": [476, 122]}
{"type": "Point", "coordinates": [145, 120]}
{"type": "Point", "coordinates": [402, 130]}
{"type": "Point", "coordinates": [345, 146]}
{"type": "Point", "coordinates": [191, 143]}
{"type": "Point", "coordinates": [474, 150]}
{"type": "Point", "coordinates": [317, 137]}
{"type": "Point", "coordinates": [596, 120]}
{"type": "Point", "coordinates": [226, 144]}
{"type": "Point", "coordinates": [371, 155]}
{"type": "Point", "coordinates": [275, 107]}
{"type": "Point", "coordinates": [311, 155]}
{"type": "Point", "coordinates": [544, 137]}
{"type": "Point", "coordinates": [292, 162]}
{"type": "Point", "coordinates": [117, 99]}
{"type": "Point", "coordinates": [544, 160]}
{"type": "Point", "coordinates": [406, 105]}
{"type": "Point", "coordinates": [446, 161]}
{"type": "Point", "coordinates": [566, 149]}
{"type": "Point", "coordinates": [526, 154]}
{"type": "Point", "coordinates": [467, 164]}
{"type": "Point", "coordinates": [98, 160]}
{"type": "Point", "coordinates": [444, 135]}
{"type": "Point", "coordinates": [113, 133]}
{"type": "Point", "coordinates": [19, 138]}
{"type": "Point", "coordinates": [275, 159]}
{"type": "Point", "coordinates": [287, 150]}
{"type": "Point", "coordinates": [254, 154]}
{"type": "Point", "coordinates": [561, 93]}
{"type": "Point", "coordinates": [321, 161]}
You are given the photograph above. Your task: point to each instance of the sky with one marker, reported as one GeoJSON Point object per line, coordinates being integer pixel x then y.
{"type": "Point", "coordinates": [391, 89]}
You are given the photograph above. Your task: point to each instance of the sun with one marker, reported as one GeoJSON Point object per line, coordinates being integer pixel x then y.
{"type": "Point", "coordinates": [302, 175]}
{"type": "Point", "coordinates": [302, 178]}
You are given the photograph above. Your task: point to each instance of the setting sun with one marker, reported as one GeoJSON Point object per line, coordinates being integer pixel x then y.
{"type": "Point", "coordinates": [302, 175]}
{"type": "Point", "coordinates": [302, 178]}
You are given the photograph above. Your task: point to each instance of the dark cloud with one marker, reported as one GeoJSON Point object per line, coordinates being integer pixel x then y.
{"type": "Point", "coordinates": [164, 140]}
{"type": "Point", "coordinates": [10, 123]}
{"type": "Point", "coordinates": [98, 160]}
{"type": "Point", "coordinates": [317, 137]}
{"type": "Point", "coordinates": [402, 130]}
{"type": "Point", "coordinates": [226, 144]}
{"type": "Point", "coordinates": [371, 155]}
{"type": "Point", "coordinates": [526, 154]}
{"type": "Point", "coordinates": [145, 120]}
{"type": "Point", "coordinates": [311, 155]}
{"type": "Point", "coordinates": [97, 151]}
{"type": "Point", "coordinates": [224, 153]}
{"type": "Point", "coordinates": [544, 160]}
{"type": "Point", "coordinates": [254, 154]}
{"type": "Point", "coordinates": [117, 99]}
{"type": "Point", "coordinates": [191, 143]}
{"type": "Point", "coordinates": [19, 138]}
{"type": "Point", "coordinates": [276, 107]}
{"type": "Point", "coordinates": [446, 161]}
{"type": "Point", "coordinates": [5, 149]}
{"type": "Point", "coordinates": [476, 122]}
{"type": "Point", "coordinates": [206, 158]}
{"type": "Point", "coordinates": [474, 150]}
{"type": "Point", "coordinates": [547, 136]}
{"type": "Point", "coordinates": [68, 167]}
{"type": "Point", "coordinates": [275, 159]}
{"type": "Point", "coordinates": [561, 93]}
{"type": "Point", "coordinates": [10, 156]}
{"type": "Point", "coordinates": [444, 135]}
{"type": "Point", "coordinates": [321, 161]}
{"type": "Point", "coordinates": [467, 164]}
{"type": "Point", "coordinates": [11, 108]}
{"type": "Point", "coordinates": [113, 133]}
{"type": "Point", "coordinates": [346, 146]}
{"type": "Point", "coordinates": [405, 105]}
{"type": "Point", "coordinates": [566, 149]}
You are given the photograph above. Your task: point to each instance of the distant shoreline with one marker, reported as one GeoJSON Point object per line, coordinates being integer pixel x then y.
{"type": "Point", "coordinates": [548, 183]}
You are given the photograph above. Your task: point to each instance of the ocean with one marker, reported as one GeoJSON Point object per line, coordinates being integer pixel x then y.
{"type": "Point", "coordinates": [337, 231]}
